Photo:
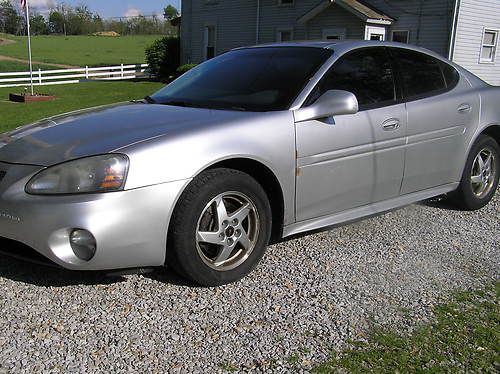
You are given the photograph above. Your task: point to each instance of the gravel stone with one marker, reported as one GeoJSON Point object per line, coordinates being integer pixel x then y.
{"type": "Point", "coordinates": [309, 295]}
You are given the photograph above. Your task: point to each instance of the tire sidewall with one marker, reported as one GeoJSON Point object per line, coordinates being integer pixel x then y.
{"type": "Point", "coordinates": [183, 234]}
{"type": "Point", "coordinates": [470, 200]}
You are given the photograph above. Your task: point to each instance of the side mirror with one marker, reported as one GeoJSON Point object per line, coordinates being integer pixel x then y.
{"type": "Point", "coordinates": [331, 103]}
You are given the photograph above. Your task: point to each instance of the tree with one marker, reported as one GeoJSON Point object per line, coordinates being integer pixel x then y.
{"type": "Point", "coordinates": [38, 25]}
{"type": "Point", "coordinates": [10, 21]}
{"type": "Point", "coordinates": [56, 22]}
{"type": "Point", "coordinates": [170, 12]}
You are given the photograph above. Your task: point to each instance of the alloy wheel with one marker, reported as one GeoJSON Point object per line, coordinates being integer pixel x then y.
{"type": "Point", "coordinates": [227, 231]}
{"type": "Point", "coordinates": [483, 173]}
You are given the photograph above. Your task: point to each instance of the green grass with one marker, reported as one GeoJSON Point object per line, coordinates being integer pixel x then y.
{"type": "Point", "coordinates": [69, 97]}
{"type": "Point", "coordinates": [464, 338]}
{"type": "Point", "coordinates": [81, 50]}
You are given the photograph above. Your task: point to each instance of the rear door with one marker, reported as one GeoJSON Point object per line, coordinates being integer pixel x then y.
{"type": "Point", "coordinates": [352, 160]}
{"type": "Point", "coordinates": [441, 108]}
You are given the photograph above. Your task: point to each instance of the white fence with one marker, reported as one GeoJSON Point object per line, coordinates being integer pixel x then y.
{"type": "Point", "coordinates": [65, 76]}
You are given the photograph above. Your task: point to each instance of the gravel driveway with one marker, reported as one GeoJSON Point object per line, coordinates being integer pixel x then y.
{"type": "Point", "coordinates": [309, 295]}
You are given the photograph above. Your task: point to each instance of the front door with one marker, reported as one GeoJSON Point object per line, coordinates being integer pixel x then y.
{"type": "Point", "coordinates": [375, 33]}
{"type": "Point", "coordinates": [352, 160]}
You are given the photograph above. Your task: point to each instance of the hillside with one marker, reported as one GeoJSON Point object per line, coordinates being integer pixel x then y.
{"type": "Point", "coordinates": [79, 50]}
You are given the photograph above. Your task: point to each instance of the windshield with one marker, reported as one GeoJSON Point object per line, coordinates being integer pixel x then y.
{"type": "Point", "coordinates": [254, 79]}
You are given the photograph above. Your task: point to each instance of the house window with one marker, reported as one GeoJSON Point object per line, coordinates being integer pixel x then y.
{"type": "Point", "coordinates": [400, 36]}
{"type": "Point", "coordinates": [285, 2]}
{"type": "Point", "coordinates": [334, 34]}
{"type": "Point", "coordinates": [285, 35]}
{"type": "Point", "coordinates": [489, 46]}
{"type": "Point", "coordinates": [210, 41]}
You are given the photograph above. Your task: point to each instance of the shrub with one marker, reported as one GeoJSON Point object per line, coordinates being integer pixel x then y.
{"type": "Point", "coordinates": [185, 68]}
{"type": "Point", "coordinates": [163, 57]}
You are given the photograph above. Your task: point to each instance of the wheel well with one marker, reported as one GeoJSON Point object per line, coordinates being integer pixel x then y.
{"type": "Point", "coordinates": [268, 181]}
{"type": "Point", "coordinates": [494, 132]}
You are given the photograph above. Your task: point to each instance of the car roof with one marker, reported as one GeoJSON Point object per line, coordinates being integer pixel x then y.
{"type": "Point", "coordinates": [344, 45]}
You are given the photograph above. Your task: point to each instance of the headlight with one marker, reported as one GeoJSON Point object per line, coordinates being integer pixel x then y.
{"type": "Point", "coordinates": [86, 175]}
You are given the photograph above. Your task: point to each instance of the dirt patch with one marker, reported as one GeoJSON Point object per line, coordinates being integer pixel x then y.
{"type": "Point", "coordinates": [6, 41]}
{"type": "Point", "coordinates": [106, 33]}
{"type": "Point", "coordinates": [62, 66]}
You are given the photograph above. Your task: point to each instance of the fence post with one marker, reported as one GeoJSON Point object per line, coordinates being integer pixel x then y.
{"type": "Point", "coordinates": [86, 72]}
{"type": "Point", "coordinates": [123, 75]}
{"type": "Point", "coordinates": [40, 76]}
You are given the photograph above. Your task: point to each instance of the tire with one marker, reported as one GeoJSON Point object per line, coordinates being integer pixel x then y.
{"type": "Point", "coordinates": [213, 244]}
{"type": "Point", "coordinates": [479, 183]}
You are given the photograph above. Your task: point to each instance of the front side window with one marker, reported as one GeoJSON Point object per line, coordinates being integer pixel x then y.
{"type": "Point", "coordinates": [367, 73]}
{"type": "Point", "coordinates": [252, 79]}
{"type": "Point", "coordinates": [423, 75]}
{"type": "Point", "coordinates": [489, 47]}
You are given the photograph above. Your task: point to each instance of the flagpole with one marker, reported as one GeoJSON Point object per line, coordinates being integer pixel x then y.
{"type": "Point", "coordinates": [29, 44]}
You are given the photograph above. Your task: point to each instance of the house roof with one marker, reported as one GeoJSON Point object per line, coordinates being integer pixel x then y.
{"type": "Point", "coordinates": [359, 9]}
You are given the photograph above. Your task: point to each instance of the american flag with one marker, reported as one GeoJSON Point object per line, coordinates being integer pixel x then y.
{"type": "Point", "coordinates": [23, 3]}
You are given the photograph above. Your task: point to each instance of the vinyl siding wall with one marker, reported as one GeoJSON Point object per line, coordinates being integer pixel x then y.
{"type": "Point", "coordinates": [429, 22]}
{"type": "Point", "coordinates": [474, 16]}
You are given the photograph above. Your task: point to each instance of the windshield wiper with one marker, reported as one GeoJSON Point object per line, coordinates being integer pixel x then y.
{"type": "Point", "coordinates": [177, 103]}
{"type": "Point", "coordinates": [150, 100]}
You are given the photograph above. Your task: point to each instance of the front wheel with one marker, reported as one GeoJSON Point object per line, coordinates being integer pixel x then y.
{"type": "Point", "coordinates": [480, 178]}
{"type": "Point", "coordinates": [220, 228]}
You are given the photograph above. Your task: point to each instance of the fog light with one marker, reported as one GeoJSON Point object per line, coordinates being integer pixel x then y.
{"type": "Point", "coordinates": [83, 244]}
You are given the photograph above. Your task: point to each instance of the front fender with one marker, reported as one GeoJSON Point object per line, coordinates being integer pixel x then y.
{"type": "Point", "coordinates": [268, 138]}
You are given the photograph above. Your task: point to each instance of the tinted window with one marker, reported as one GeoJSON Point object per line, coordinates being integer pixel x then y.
{"type": "Point", "coordinates": [367, 73]}
{"type": "Point", "coordinates": [422, 75]}
{"type": "Point", "coordinates": [451, 75]}
{"type": "Point", "coordinates": [256, 79]}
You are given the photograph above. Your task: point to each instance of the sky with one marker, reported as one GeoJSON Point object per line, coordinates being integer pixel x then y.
{"type": "Point", "coordinates": [111, 8]}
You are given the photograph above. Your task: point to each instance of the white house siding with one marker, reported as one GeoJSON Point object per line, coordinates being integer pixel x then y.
{"type": "Point", "coordinates": [336, 17]}
{"type": "Point", "coordinates": [234, 22]}
{"type": "Point", "coordinates": [473, 17]}
{"type": "Point", "coordinates": [429, 21]}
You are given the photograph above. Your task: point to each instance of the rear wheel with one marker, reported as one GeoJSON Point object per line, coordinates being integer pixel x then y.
{"type": "Point", "coordinates": [220, 228]}
{"type": "Point", "coordinates": [480, 179]}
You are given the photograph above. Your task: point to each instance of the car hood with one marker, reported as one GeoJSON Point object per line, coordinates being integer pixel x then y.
{"type": "Point", "coordinates": [102, 130]}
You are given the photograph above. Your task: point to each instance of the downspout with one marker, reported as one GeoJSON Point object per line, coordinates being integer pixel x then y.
{"type": "Point", "coordinates": [420, 15]}
{"type": "Point", "coordinates": [453, 34]}
{"type": "Point", "coordinates": [257, 24]}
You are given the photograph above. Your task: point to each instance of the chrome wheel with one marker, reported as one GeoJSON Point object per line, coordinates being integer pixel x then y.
{"type": "Point", "coordinates": [227, 231]}
{"type": "Point", "coordinates": [483, 173]}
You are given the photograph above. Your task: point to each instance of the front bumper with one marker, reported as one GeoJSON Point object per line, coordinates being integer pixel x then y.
{"type": "Point", "coordinates": [130, 227]}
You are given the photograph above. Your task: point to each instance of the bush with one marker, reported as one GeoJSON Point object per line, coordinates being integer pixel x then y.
{"type": "Point", "coordinates": [185, 68]}
{"type": "Point", "coordinates": [163, 57]}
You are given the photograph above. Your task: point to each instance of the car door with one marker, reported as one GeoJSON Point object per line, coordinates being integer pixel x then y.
{"type": "Point", "coordinates": [441, 110]}
{"type": "Point", "coordinates": [352, 160]}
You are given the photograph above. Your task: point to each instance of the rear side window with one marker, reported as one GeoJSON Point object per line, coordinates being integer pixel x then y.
{"type": "Point", "coordinates": [423, 75]}
{"type": "Point", "coordinates": [366, 72]}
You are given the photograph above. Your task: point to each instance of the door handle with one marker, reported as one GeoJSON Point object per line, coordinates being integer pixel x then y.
{"type": "Point", "coordinates": [391, 124]}
{"type": "Point", "coordinates": [464, 108]}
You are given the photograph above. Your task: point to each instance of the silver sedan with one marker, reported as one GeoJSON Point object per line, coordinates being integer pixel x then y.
{"type": "Point", "coordinates": [248, 148]}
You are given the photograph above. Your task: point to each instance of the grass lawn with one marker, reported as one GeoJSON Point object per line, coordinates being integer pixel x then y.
{"type": "Point", "coordinates": [81, 50]}
{"type": "Point", "coordinates": [70, 97]}
{"type": "Point", "coordinates": [465, 338]}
